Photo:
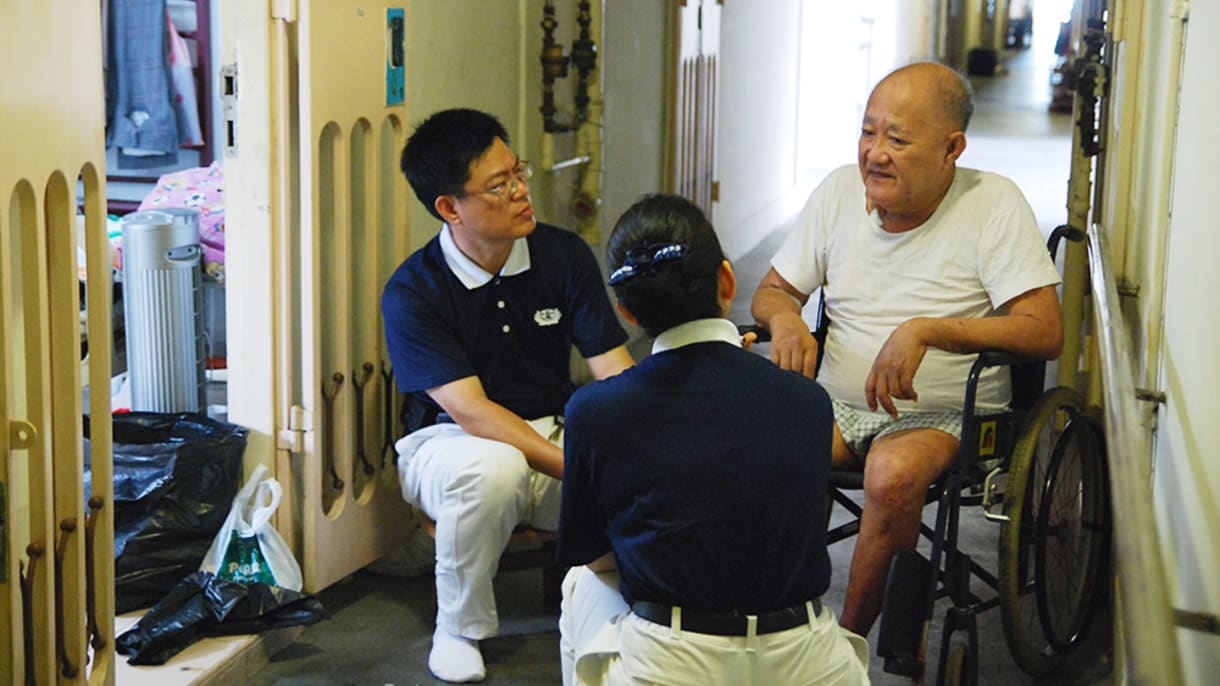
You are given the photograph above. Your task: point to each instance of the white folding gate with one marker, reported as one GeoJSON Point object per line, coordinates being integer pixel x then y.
{"type": "Point", "coordinates": [334, 124]}
{"type": "Point", "coordinates": [56, 550]}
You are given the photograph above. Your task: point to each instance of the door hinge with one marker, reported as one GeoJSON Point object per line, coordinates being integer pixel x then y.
{"type": "Point", "coordinates": [228, 107]}
{"type": "Point", "coordinates": [715, 191]}
{"type": "Point", "coordinates": [285, 10]}
{"type": "Point", "coordinates": [292, 438]}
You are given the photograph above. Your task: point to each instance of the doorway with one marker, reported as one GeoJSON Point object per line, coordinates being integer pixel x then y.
{"type": "Point", "coordinates": [1014, 132]}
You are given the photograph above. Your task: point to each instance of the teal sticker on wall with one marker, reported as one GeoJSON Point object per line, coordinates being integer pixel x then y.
{"type": "Point", "coordinates": [395, 56]}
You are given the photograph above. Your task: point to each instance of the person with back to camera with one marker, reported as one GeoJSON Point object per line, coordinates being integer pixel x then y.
{"type": "Point", "coordinates": [480, 324]}
{"type": "Point", "coordinates": [690, 491]}
{"type": "Point", "coordinates": [921, 264]}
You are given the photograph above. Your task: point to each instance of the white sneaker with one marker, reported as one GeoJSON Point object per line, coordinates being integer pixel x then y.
{"type": "Point", "coordinates": [455, 658]}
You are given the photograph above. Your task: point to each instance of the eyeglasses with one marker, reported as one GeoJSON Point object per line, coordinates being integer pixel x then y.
{"type": "Point", "coordinates": [519, 177]}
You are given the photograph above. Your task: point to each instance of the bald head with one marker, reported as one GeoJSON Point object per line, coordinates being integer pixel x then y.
{"type": "Point", "coordinates": [944, 88]}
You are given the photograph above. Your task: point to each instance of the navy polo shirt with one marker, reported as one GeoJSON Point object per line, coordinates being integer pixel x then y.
{"type": "Point", "coordinates": [704, 469]}
{"type": "Point", "coordinates": [514, 331]}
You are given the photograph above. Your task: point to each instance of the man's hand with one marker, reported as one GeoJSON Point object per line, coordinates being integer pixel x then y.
{"type": "Point", "coordinates": [792, 346]}
{"type": "Point", "coordinates": [777, 308]}
{"type": "Point", "coordinates": [893, 372]}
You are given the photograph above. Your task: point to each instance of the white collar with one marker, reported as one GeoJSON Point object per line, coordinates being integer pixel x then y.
{"type": "Point", "coordinates": [471, 274]}
{"type": "Point", "coordinates": [697, 331]}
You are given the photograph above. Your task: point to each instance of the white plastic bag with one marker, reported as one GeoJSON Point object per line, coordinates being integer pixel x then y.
{"type": "Point", "coordinates": [248, 549]}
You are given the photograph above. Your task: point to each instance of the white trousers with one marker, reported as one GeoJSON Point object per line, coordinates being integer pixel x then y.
{"type": "Point", "coordinates": [602, 642]}
{"type": "Point", "coordinates": [477, 490]}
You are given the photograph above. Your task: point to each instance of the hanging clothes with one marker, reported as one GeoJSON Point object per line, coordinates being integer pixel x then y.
{"type": "Point", "coordinates": [182, 78]}
{"type": "Point", "coordinates": [142, 122]}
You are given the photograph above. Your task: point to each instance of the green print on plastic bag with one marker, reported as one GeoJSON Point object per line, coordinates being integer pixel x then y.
{"type": "Point", "coordinates": [244, 562]}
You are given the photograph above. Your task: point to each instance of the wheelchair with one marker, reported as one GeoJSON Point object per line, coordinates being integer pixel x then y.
{"type": "Point", "coordinates": [1042, 464]}
{"type": "Point", "coordinates": [1038, 470]}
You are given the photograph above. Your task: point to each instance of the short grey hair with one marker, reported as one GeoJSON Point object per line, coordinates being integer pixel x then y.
{"type": "Point", "coordinates": [959, 101]}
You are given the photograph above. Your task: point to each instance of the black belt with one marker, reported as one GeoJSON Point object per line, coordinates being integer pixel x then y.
{"type": "Point", "coordinates": [727, 623]}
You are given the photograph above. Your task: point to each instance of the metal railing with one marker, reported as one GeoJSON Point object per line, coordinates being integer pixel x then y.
{"type": "Point", "coordinates": [1149, 632]}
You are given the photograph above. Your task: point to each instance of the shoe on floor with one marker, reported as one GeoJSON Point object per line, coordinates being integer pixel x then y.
{"type": "Point", "coordinates": [455, 658]}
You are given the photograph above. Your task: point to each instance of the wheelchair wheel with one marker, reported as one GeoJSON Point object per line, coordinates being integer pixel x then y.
{"type": "Point", "coordinates": [1073, 525]}
{"type": "Point", "coordinates": [1028, 472]}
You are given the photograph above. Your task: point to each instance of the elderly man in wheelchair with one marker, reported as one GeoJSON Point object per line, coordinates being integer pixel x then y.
{"type": "Point", "coordinates": [921, 265]}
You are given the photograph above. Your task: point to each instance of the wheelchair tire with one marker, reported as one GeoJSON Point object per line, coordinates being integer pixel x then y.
{"type": "Point", "coordinates": [1073, 522]}
{"type": "Point", "coordinates": [1023, 491]}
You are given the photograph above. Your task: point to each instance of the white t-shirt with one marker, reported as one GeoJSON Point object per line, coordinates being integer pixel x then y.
{"type": "Point", "coordinates": [980, 249]}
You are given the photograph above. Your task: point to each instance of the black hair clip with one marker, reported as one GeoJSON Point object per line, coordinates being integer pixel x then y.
{"type": "Point", "coordinates": [644, 261]}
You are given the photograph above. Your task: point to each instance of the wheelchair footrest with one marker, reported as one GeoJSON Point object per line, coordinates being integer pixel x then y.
{"type": "Point", "coordinates": [902, 622]}
{"type": "Point", "coordinates": [903, 665]}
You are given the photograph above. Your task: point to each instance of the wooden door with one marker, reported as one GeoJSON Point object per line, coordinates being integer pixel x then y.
{"type": "Point", "coordinates": [694, 100]}
{"type": "Point", "coordinates": [56, 551]}
{"type": "Point", "coordinates": [321, 140]}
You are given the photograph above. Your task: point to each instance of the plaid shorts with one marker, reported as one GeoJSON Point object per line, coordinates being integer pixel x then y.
{"type": "Point", "coordinates": [859, 429]}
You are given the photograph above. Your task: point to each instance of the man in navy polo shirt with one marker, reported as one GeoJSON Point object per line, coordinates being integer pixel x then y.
{"type": "Point", "coordinates": [480, 323]}
{"type": "Point", "coordinates": [696, 503]}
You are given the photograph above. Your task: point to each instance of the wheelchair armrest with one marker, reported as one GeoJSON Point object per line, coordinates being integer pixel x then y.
{"type": "Point", "coordinates": [1027, 374]}
{"type": "Point", "coordinates": [999, 358]}
{"type": "Point", "coordinates": [992, 358]}
{"type": "Point", "coordinates": [764, 336]}
{"type": "Point", "coordinates": [819, 332]}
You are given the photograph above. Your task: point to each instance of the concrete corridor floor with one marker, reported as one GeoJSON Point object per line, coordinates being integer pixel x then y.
{"type": "Point", "coordinates": [381, 631]}
{"type": "Point", "coordinates": [381, 628]}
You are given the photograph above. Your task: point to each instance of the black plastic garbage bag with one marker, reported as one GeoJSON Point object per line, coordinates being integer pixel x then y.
{"type": "Point", "coordinates": [175, 476]}
{"type": "Point", "coordinates": [205, 605]}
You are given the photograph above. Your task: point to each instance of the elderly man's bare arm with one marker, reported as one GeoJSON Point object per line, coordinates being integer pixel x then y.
{"type": "Point", "coordinates": [1029, 324]}
{"type": "Point", "coordinates": [777, 308]}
